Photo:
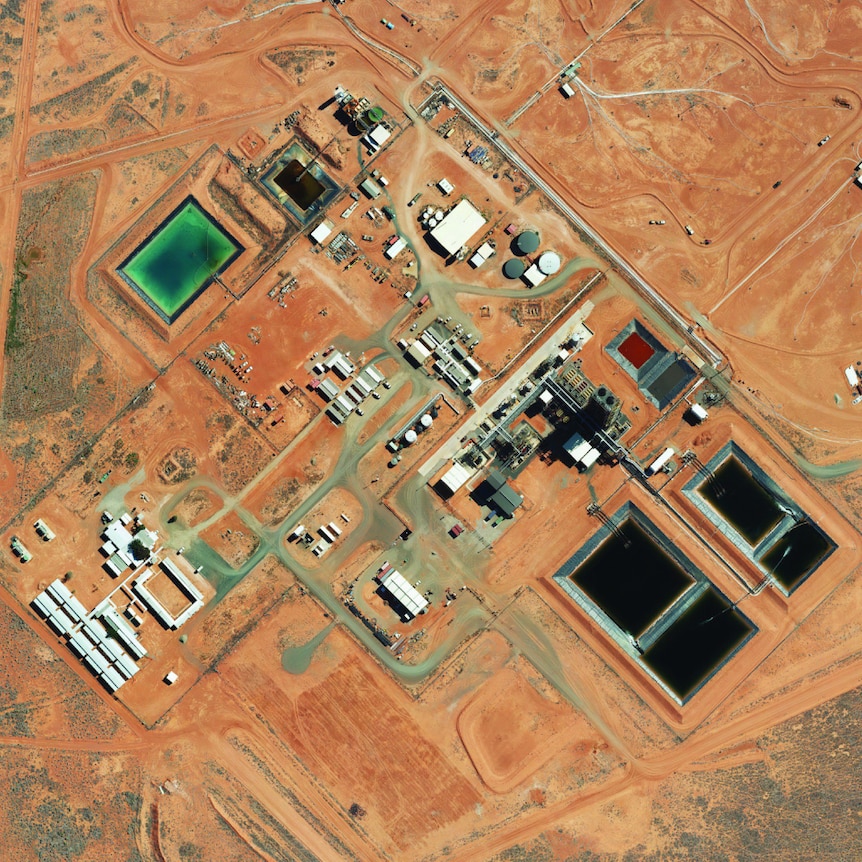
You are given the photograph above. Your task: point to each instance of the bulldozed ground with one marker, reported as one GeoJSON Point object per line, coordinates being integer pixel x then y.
{"type": "Point", "coordinates": [713, 148]}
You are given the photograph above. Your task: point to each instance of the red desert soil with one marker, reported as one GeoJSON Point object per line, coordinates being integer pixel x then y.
{"type": "Point", "coordinates": [510, 730]}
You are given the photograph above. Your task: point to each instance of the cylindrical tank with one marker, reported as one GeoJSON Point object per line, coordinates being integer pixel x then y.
{"type": "Point", "coordinates": [527, 242]}
{"type": "Point", "coordinates": [409, 437]}
{"type": "Point", "coordinates": [549, 263]}
{"type": "Point", "coordinates": [426, 420]}
{"type": "Point", "coordinates": [513, 268]}
{"type": "Point", "coordinates": [439, 213]}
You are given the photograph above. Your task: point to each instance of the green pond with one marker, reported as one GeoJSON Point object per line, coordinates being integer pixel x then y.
{"type": "Point", "coordinates": [179, 259]}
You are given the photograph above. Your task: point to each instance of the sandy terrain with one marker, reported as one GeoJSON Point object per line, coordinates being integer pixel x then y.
{"type": "Point", "coordinates": [307, 721]}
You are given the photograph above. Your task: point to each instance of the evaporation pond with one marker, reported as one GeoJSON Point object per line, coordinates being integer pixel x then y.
{"type": "Point", "coordinates": [631, 578]}
{"type": "Point", "coordinates": [796, 554]}
{"type": "Point", "coordinates": [178, 260]}
{"type": "Point", "coordinates": [298, 183]}
{"type": "Point", "coordinates": [741, 500]}
{"type": "Point", "coordinates": [636, 350]}
{"type": "Point", "coordinates": [695, 645]}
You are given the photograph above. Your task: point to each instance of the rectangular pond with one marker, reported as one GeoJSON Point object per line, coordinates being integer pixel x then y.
{"type": "Point", "coordinates": [636, 350]}
{"type": "Point", "coordinates": [698, 642]}
{"type": "Point", "coordinates": [299, 183]}
{"type": "Point", "coordinates": [797, 554]}
{"type": "Point", "coordinates": [761, 521]}
{"type": "Point", "coordinates": [179, 259]}
{"type": "Point", "coordinates": [654, 602]}
{"type": "Point", "coordinates": [741, 500]}
{"type": "Point", "coordinates": [631, 578]}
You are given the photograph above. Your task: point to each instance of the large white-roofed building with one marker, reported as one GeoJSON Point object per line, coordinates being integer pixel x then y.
{"type": "Point", "coordinates": [456, 229]}
{"type": "Point", "coordinates": [407, 601]}
{"type": "Point", "coordinates": [453, 479]}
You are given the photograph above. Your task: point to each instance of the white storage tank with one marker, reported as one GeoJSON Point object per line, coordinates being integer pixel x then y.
{"type": "Point", "coordinates": [660, 462]}
{"type": "Point", "coordinates": [549, 262]}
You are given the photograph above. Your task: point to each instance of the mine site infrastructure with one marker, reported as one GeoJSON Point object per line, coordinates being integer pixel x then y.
{"type": "Point", "coordinates": [686, 330]}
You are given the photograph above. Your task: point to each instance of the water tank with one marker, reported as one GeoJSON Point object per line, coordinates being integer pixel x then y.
{"type": "Point", "coordinates": [513, 268]}
{"type": "Point", "coordinates": [426, 420]}
{"type": "Point", "coordinates": [527, 242]}
{"type": "Point", "coordinates": [439, 214]}
{"type": "Point", "coordinates": [409, 437]}
{"type": "Point", "coordinates": [375, 114]}
{"type": "Point", "coordinates": [433, 221]}
{"type": "Point", "coordinates": [549, 263]}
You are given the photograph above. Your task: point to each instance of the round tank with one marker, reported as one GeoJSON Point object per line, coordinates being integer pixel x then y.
{"type": "Point", "coordinates": [409, 437]}
{"type": "Point", "coordinates": [439, 214]}
{"type": "Point", "coordinates": [428, 211]}
{"type": "Point", "coordinates": [426, 420]}
{"type": "Point", "coordinates": [601, 392]}
{"type": "Point", "coordinates": [549, 263]}
{"type": "Point", "coordinates": [513, 268]}
{"type": "Point", "coordinates": [376, 114]}
{"type": "Point", "coordinates": [434, 221]}
{"type": "Point", "coordinates": [527, 242]}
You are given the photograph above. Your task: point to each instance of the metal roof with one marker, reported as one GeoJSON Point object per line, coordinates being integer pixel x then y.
{"type": "Point", "coordinates": [404, 593]}
{"type": "Point", "coordinates": [457, 227]}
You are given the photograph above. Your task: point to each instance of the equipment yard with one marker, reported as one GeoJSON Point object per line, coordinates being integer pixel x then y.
{"type": "Point", "coordinates": [430, 431]}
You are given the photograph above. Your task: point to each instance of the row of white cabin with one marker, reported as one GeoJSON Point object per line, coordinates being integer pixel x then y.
{"type": "Point", "coordinates": [342, 405]}
{"type": "Point", "coordinates": [462, 375]}
{"type": "Point", "coordinates": [337, 362]}
{"type": "Point", "coordinates": [103, 640]}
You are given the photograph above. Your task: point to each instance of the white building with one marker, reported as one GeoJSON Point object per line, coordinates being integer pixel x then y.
{"type": "Point", "coordinates": [408, 600]}
{"type": "Point", "coordinates": [321, 232]}
{"type": "Point", "coordinates": [445, 186]}
{"type": "Point", "coordinates": [455, 477]}
{"type": "Point", "coordinates": [376, 138]}
{"type": "Point", "coordinates": [534, 276]}
{"type": "Point", "coordinates": [456, 229]}
{"type": "Point", "coordinates": [396, 248]}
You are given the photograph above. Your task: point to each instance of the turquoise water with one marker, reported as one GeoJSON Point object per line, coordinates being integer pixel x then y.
{"type": "Point", "coordinates": [178, 260]}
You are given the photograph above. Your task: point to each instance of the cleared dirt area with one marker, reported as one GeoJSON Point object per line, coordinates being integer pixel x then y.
{"type": "Point", "coordinates": [232, 539]}
{"type": "Point", "coordinates": [509, 730]}
{"type": "Point", "coordinates": [300, 713]}
{"type": "Point", "coordinates": [196, 506]}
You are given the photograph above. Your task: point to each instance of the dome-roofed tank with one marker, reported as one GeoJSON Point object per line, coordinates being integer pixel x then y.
{"type": "Point", "coordinates": [513, 268]}
{"type": "Point", "coordinates": [409, 437]}
{"type": "Point", "coordinates": [527, 242]}
{"type": "Point", "coordinates": [549, 263]}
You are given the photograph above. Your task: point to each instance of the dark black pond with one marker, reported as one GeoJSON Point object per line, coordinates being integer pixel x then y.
{"type": "Point", "coordinates": [796, 554]}
{"type": "Point", "coordinates": [741, 500]}
{"type": "Point", "coordinates": [302, 188]}
{"type": "Point", "coordinates": [631, 579]}
{"type": "Point", "coordinates": [697, 643]}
